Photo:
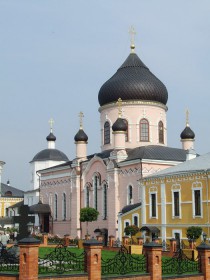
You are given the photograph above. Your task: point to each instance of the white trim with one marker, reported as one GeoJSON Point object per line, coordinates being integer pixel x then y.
{"type": "Point", "coordinates": [150, 204]}
{"type": "Point", "coordinates": [133, 216]}
{"type": "Point", "coordinates": [198, 187]}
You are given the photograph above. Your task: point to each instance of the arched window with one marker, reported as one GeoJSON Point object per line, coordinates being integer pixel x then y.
{"type": "Point", "coordinates": [105, 187]}
{"type": "Point", "coordinates": [106, 133]}
{"type": "Point", "coordinates": [126, 135]}
{"type": "Point", "coordinates": [161, 132]}
{"type": "Point", "coordinates": [135, 221]}
{"type": "Point", "coordinates": [144, 130]}
{"type": "Point", "coordinates": [64, 206]}
{"type": "Point", "coordinates": [55, 206]}
{"type": "Point", "coordinates": [87, 189]}
{"type": "Point", "coordinates": [130, 195]}
{"type": "Point", "coordinates": [96, 184]}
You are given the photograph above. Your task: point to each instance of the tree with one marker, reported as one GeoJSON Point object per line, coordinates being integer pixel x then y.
{"type": "Point", "coordinates": [88, 214]}
{"type": "Point", "coordinates": [131, 230]}
{"type": "Point", "coordinates": [194, 232]}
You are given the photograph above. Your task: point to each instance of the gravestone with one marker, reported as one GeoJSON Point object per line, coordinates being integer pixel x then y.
{"type": "Point", "coordinates": [23, 221]}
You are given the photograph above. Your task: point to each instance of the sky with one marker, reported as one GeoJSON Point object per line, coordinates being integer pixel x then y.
{"type": "Point", "coordinates": [56, 54]}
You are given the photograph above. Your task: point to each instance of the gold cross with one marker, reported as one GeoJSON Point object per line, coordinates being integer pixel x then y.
{"type": "Point", "coordinates": [119, 103]}
{"type": "Point", "coordinates": [51, 122]}
{"type": "Point", "coordinates": [81, 115]}
{"type": "Point", "coordinates": [132, 33]}
{"type": "Point", "coordinates": [187, 117]}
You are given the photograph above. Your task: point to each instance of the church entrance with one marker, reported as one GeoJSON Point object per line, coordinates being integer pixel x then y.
{"type": "Point", "coordinates": [46, 223]}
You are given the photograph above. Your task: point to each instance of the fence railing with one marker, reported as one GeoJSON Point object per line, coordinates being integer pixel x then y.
{"type": "Point", "coordinates": [124, 263]}
{"type": "Point", "coordinates": [62, 261]}
{"type": "Point", "coordinates": [9, 259]}
{"type": "Point", "coordinates": [180, 264]}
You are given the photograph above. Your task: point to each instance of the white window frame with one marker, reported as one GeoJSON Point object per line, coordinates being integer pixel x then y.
{"type": "Point", "coordinates": [197, 186]}
{"type": "Point", "coordinates": [150, 205]}
{"type": "Point", "coordinates": [129, 201]}
{"type": "Point", "coordinates": [176, 188]}
{"type": "Point", "coordinates": [133, 216]}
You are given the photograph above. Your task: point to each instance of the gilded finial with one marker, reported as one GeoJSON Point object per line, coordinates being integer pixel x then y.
{"type": "Point", "coordinates": [51, 122]}
{"type": "Point", "coordinates": [119, 103]}
{"type": "Point", "coordinates": [187, 117]}
{"type": "Point", "coordinates": [132, 33]}
{"type": "Point", "coordinates": [81, 115]}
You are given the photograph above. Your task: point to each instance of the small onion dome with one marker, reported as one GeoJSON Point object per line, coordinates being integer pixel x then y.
{"type": "Point", "coordinates": [187, 133]}
{"type": "Point", "coordinates": [51, 137]}
{"type": "Point", "coordinates": [133, 81]}
{"type": "Point", "coordinates": [81, 136]}
{"type": "Point", "coordinates": [120, 125]}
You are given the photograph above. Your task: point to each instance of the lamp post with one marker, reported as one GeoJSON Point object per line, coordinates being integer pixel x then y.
{"type": "Point", "coordinates": [204, 237]}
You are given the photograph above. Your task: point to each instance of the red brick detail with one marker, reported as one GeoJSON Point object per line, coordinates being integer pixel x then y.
{"type": "Point", "coordinates": [66, 240]}
{"type": "Point", "coordinates": [45, 239]}
{"type": "Point", "coordinates": [125, 240]}
{"type": "Point", "coordinates": [93, 253]}
{"type": "Point", "coordinates": [28, 262]}
{"type": "Point", "coordinates": [173, 246]}
{"type": "Point", "coordinates": [111, 240]}
{"type": "Point", "coordinates": [154, 262]}
{"type": "Point", "coordinates": [204, 256]}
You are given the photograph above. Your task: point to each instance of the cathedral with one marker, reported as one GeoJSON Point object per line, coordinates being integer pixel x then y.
{"type": "Point", "coordinates": [133, 128]}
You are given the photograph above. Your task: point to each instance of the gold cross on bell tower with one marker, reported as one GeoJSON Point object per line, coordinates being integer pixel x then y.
{"type": "Point", "coordinates": [81, 116]}
{"type": "Point", "coordinates": [51, 122]}
{"type": "Point", "coordinates": [119, 103]}
{"type": "Point", "coordinates": [132, 33]}
{"type": "Point", "coordinates": [187, 117]}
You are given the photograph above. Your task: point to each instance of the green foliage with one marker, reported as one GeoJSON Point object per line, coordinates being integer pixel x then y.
{"type": "Point", "coordinates": [88, 214]}
{"type": "Point", "coordinates": [131, 230]}
{"type": "Point", "coordinates": [193, 232]}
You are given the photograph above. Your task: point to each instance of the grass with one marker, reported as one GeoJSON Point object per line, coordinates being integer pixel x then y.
{"type": "Point", "coordinates": [43, 251]}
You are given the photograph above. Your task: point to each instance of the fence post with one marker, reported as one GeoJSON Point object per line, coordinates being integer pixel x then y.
{"type": "Point", "coordinates": [93, 258]}
{"type": "Point", "coordinates": [29, 251]}
{"type": "Point", "coordinates": [66, 240]}
{"type": "Point", "coordinates": [45, 239]}
{"type": "Point", "coordinates": [111, 240]}
{"type": "Point", "coordinates": [172, 246]}
{"type": "Point", "coordinates": [204, 257]}
{"type": "Point", "coordinates": [153, 253]}
{"type": "Point", "coordinates": [125, 240]}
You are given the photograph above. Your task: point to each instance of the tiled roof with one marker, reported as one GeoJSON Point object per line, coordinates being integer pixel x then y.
{"type": "Point", "coordinates": [5, 189]}
{"type": "Point", "coordinates": [50, 154]}
{"type": "Point", "coordinates": [200, 163]}
{"type": "Point", "coordinates": [130, 207]}
{"type": "Point", "coordinates": [156, 152]}
{"type": "Point", "coordinates": [133, 81]}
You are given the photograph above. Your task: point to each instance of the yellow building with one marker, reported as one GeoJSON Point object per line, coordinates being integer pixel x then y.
{"type": "Point", "coordinates": [172, 200]}
{"type": "Point", "coordinates": [9, 196]}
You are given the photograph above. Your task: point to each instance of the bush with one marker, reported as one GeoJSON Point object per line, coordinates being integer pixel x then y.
{"type": "Point", "coordinates": [194, 232]}
{"type": "Point", "coordinates": [131, 230]}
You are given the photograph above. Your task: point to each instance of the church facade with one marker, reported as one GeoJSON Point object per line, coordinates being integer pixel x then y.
{"type": "Point", "coordinates": [132, 107]}
{"type": "Point", "coordinates": [172, 200]}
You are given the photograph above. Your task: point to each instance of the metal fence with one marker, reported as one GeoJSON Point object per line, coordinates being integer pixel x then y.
{"type": "Point", "coordinates": [61, 260]}
{"type": "Point", "coordinates": [124, 263]}
{"type": "Point", "coordinates": [180, 264]}
{"type": "Point", "coordinates": [9, 259]}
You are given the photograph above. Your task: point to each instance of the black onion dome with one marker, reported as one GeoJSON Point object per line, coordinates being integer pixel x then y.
{"type": "Point", "coordinates": [81, 136]}
{"type": "Point", "coordinates": [50, 154]}
{"type": "Point", "coordinates": [133, 81]}
{"type": "Point", "coordinates": [119, 125]}
{"type": "Point", "coordinates": [187, 133]}
{"type": "Point", "coordinates": [51, 137]}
